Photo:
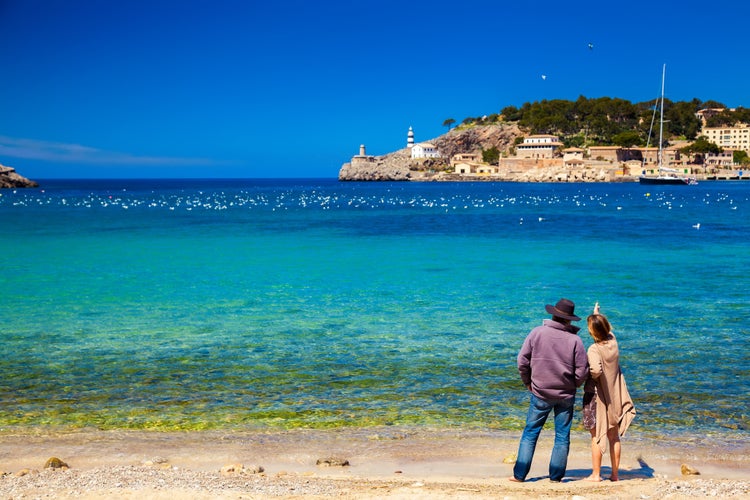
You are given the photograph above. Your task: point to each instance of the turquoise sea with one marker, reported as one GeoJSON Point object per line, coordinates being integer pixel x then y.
{"type": "Point", "coordinates": [238, 304]}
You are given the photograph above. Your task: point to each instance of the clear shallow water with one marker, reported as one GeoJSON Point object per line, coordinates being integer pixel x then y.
{"type": "Point", "coordinates": [234, 304]}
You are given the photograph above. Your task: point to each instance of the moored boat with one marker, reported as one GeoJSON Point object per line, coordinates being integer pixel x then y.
{"type": "Point", "coordinates": [665, 175]}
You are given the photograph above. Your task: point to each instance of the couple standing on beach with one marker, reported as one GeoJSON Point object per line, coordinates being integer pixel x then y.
{"type": "Point", "coordinates": [553, 364]}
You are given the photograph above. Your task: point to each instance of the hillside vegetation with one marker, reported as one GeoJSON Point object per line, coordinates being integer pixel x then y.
{"type": "Point", "coordinates": [610, 121]}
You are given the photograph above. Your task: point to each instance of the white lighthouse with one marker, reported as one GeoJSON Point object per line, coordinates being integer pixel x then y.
{"type": "Point", "coordinates": [410, 138]}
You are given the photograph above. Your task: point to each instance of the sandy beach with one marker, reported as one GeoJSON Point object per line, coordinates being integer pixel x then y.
{"type": "Point", "coordinates": [382, 463]}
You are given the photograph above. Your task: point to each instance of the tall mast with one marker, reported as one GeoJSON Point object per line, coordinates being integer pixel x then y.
{"type": "Point", "coordinates": [661, 118]}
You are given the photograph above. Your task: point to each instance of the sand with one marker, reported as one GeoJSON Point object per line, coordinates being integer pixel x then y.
{"type": "Point", "coordinates": [383, 463]}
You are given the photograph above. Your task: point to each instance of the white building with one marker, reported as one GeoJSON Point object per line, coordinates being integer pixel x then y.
{"type": "Point", "coordinates": [424, 150]}
{"type": "Point", "coordinates": [538, 146]}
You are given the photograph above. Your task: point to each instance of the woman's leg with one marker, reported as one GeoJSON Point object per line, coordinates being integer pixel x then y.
{"type": "Point", "coordinates": [596, 459]}
{"type": "Point", "coordinates": [613, 435]}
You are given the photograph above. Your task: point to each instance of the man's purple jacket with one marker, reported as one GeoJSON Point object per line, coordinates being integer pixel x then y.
{"type": "Point", "coordinates": [553, 361]}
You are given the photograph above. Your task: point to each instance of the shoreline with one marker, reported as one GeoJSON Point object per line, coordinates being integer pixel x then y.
{"type": "Point", "coordinates": [383, 462]}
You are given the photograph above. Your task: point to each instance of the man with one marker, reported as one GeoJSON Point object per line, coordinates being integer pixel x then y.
{"type": "Point", "coordinates": [552, 364]}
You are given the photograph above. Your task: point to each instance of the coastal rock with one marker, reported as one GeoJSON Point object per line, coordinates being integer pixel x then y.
{"type": "Point", "coordinates": [399, 165]}
{"type": "Point", "coordinates": [332, 462]}
{"type": "Point", "coordinates": [240, 469]}
{"type": "Point", "coordinates": [55, 463]}
{"type": "Point", "coordinates": [477, 139]}
{"type": "Point", "coordinates": [9, 178]}
{"type": "Point", "coordinates": [159, 462]}
{"type": "Point", "coordinates": [688, 470]}
{"type": "Point", "coordinates": [391, 167]}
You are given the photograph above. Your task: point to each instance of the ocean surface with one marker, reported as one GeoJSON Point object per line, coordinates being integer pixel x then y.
{"type": "Point", "coordinates": [240, 304]}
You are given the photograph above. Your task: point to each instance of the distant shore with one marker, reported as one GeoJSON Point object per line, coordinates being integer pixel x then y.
{"type": "Point", "coordinates": [461, 159]}
{"type": "Point", "coordinates": [383, 463]}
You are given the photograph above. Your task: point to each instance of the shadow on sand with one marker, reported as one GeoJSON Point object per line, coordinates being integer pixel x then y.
{"type": "Point", "coordinates": [643, 472]}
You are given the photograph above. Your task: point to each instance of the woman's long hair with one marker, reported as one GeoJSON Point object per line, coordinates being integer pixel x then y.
{"type": "Point", "coordinates": [599, 327]}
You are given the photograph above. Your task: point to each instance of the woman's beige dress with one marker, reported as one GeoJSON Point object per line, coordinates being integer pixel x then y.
{"type": "Point", "coordinates": [614, 408]}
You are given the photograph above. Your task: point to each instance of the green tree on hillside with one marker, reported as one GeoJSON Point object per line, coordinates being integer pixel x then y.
{"type": "Point", "coordinates": [740, 157]}
{"type": "Point", "coordinates": [729, 118]}
{"type": "Point", "coordinates": [724, 119]}
{"type": "Point", "coordinates": [574, 141]}
{"type": "Point", "coordinates": [549, 117]}
{"type": "Point", "coordinates": [742, 114]}
{"type": "Point", "coordinates": [627, 138]}
{"type": "Point", "coordinates": [700, 148]}
{"type": "Point", "coordinates": [511, 114]}
{"type": "Point", "coordinates": [449, 123]}
{"type": "Point", "coordinates": [702, 145]}
{"type": "Point", "coordinates": [491, 156]}
{"type": "Point", "coordinates": [712, 105]}
{"type": "Point", "coordinates": [682, 120]}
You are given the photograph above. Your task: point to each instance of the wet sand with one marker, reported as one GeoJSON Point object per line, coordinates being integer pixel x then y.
{"type": "Point", "coordinates": [383, 463]}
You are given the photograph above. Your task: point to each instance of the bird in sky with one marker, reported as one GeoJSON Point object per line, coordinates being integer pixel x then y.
{"type": "Point", "coordinates": [544, 77]}
{"type": "Point", "coordinates": [591, 46]}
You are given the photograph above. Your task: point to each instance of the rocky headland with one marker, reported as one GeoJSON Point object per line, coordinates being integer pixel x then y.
{"type": "Point", "coordinates": [9, 178]}
{"type": "Point", "coordinates": [400, 166]}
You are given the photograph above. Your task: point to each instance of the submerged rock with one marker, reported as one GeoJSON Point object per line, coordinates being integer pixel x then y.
{"type": "Point", "coordinates": [332, 462]}
{"type": "Point", "coordinates": [688, 470]}
{"type": "Point", "coordinates": [239, 469]}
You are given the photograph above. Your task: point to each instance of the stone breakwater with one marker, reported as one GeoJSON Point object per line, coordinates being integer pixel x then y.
{"type": "Point", "coordinates": [546, 174]}
{"type": "Point", "coordinates": [9, 178]}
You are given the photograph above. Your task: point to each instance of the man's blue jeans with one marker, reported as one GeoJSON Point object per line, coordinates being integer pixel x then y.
{"type": "Point", "coordinates": [539, 409]}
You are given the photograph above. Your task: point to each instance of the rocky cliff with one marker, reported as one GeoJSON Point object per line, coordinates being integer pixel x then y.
{"type": "Point", "coordinates": [10, 179]}
{"type": "Point", "coordinates": [399, 166]}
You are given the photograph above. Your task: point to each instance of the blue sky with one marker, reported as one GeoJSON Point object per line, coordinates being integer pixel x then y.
{"type": "Point", "coordinates": [99, 89]}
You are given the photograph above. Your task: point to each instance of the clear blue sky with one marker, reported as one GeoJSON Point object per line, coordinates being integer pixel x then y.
{"type": "Point", "coordinates": [276, 88]}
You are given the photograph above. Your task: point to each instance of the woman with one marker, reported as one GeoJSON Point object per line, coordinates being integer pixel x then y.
{"type": "Point", "coordinates": [608, 409]}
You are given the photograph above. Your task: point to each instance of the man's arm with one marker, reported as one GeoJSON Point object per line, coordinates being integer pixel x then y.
{"type": "Point", "coordinates": [524, 363]}
{"type": "Point", "coordinates": [582, 363]}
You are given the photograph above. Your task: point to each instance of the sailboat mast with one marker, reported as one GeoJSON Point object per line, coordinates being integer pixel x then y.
{"type": "Point", "coordinates": [661, 117]}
